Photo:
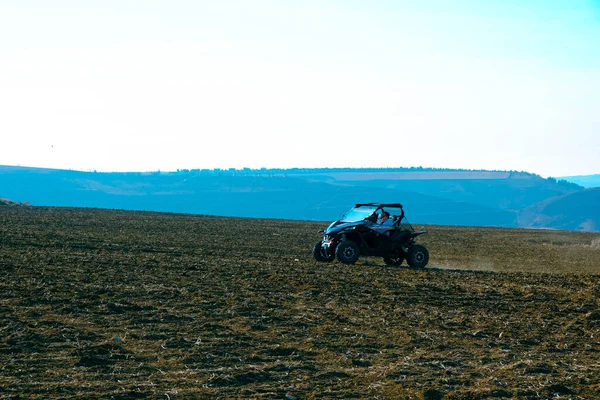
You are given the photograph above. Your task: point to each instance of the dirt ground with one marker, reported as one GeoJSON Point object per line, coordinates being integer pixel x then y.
{"type": "Point", "coordinates": [115, 304]}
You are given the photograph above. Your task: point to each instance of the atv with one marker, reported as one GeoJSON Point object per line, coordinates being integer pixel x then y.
{"type": "Point", "coordinates": [359, 233]}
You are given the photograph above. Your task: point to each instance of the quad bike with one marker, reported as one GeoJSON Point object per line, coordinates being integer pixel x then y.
{"type": "Point", "coordinates": [358, 233]}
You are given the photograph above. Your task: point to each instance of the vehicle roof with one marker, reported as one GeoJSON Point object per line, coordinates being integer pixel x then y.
{"type": "Point", "coordinates": [391, 205]}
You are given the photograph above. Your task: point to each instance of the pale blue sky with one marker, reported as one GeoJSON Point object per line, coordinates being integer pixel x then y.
{"type": "Point", "coordinates": [145, 85]}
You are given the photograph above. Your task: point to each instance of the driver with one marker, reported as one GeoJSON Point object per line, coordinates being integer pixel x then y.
{"type": "Point", "coordinates": [385, 219]}
{"type": "Point", "coordinates": [385, 225]}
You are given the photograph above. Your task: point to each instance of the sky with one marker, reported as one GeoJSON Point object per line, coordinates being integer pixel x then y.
{"type": "Point", "coordinates": [147, 85]}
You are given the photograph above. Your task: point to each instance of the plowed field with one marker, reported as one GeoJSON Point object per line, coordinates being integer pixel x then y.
{"type": "Point", "coordinates": [115, 304]}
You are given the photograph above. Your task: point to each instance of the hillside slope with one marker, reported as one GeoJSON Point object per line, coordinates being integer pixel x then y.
{"type": "Point", "coordinates": [101, 304]}
{"type": "Point", "coordinates": [573, 211]}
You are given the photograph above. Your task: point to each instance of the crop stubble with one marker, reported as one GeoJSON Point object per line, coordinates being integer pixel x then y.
{"type": "Point", "coordinates": [101, 303]}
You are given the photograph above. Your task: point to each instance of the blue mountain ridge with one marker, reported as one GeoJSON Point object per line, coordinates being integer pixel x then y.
{"type": "Point", "coordinates": [430, 196]}
{"type": "Point", "coordinates": [587, 181]}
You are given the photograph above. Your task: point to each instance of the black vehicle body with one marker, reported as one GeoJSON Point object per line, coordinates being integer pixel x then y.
{"type": "Point", "coordinates": [358, 233]}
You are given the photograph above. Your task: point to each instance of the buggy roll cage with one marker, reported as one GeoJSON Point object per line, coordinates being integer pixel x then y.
{"type": "Point", "coordinates": [380, 206]}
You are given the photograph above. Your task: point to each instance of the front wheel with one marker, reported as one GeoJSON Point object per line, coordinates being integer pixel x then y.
{"type": "Point", "coordinates": [321, 254]}
{"type": "Point", "coordinates": [347, 252]}
{"type": "Point", "coordinates": [417, 257]}
{"type": "Point", "coordinates": [393, 261]}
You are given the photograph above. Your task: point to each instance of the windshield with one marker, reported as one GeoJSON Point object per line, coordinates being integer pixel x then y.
{"type": "Point", "coordinates": [358, 214]}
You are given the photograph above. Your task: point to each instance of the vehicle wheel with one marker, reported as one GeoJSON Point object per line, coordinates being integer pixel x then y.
{"type": "Point", "coordinates": [393, 261]}
{"type": "Point", "coordinates": [418, 256]}
{"type": "Point", "coordinates": [321, 254]}
{"type": "Point", "coordinates": [347, 252]}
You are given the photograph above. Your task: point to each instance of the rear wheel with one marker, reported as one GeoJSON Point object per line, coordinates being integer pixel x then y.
{"type": "Point", "coordinates": [347, 252]}
{"type": "Point", "coordinates": [418, 256]}
{"type": "Point", "coordinates": [393, 261]}
{"type": "Point", "coordinates": [321, 254]}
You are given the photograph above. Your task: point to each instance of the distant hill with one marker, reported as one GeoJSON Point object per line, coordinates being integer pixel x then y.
{"type": "Point", "coordinates": [7, 202]}
{"type": "Point", "coordinates": [574, 211]}
{"type": "Point", "coordinates": [587, 181]}
{"type": "Point", "coordinates": [506, 190]}
{"type": "Point", "coordinates": [430, 196]}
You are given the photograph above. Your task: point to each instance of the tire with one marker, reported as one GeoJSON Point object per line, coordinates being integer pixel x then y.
{"type": "Point", "coordinates": [320, 254]}
{"type": "Point", "coordinates": [417, 257]}
{"type": "Point", "coordinates": [347, 252]}
{"type": "Point", "coordinates": [393, 261]}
